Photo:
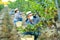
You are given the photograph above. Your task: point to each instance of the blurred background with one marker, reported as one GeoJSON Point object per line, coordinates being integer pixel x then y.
{"type": "Point", "coordinates": [49, 9]}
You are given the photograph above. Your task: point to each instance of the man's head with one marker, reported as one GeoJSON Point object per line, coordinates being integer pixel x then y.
{"type": "Point", "coordinates": [16, 10]}
{"type": "Point", "coordinates": [29, 15]}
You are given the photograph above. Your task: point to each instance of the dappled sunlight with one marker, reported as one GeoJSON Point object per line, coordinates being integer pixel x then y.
{"type": "Point", "coordinates": [5, 0]}
{"type": "Point", "coordinates": [1, 2]}
{"type": "Point", "coordinates": [12, 0]}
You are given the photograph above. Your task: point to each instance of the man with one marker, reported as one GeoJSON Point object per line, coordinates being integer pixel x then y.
{"type": "Point", "coordinates": [32, 20]}
{"type": "Point", "coordinates": [17, 16]}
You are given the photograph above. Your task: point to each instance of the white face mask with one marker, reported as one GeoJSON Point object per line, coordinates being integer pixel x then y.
{"type": "Point", "coordinates": [31, 17]}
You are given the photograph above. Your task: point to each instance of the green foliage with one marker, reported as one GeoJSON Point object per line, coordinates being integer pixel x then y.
{"type": "Point", "coordinates": [59, 2]}
{"type": "Point", "coordinates": [32, 28]}
{"type": "Point", "coordinates": [20, 29]}
{"type": "Point", "coordinates": [44, 8]}
{"type": "Point", "coordinates": [1, 6]}
{"type": "Point", "coordinates": [12, 5]}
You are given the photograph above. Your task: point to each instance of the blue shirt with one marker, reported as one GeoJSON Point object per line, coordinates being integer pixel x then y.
{"type": "Point", "coordinates": [17, 17]}
{"type": "Point", "coordinates": [35, 21]}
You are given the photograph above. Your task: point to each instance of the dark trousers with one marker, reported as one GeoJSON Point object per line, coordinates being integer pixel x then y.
{"type": "Point", "coordinates": [36, 34]}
